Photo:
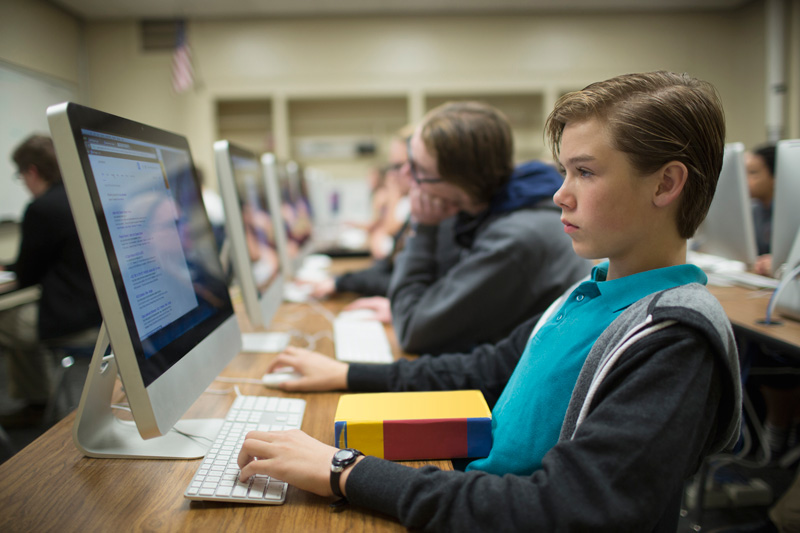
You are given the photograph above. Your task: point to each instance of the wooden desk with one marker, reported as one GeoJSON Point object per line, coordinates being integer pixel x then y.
{"type": "Point", "coordinates": [50, 486]}
{"type": "Point", "coordinates": [747, 308]}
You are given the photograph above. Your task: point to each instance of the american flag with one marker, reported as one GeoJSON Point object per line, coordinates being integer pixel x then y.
{"type": "Point", "coordinates": [182, 70]}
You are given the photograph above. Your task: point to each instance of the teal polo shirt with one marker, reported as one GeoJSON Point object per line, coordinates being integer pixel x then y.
{"type": "Point", "coordinates": [526, 421]}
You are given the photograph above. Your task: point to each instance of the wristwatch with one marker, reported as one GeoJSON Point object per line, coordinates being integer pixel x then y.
{"type": "Point", "coordinates": [341, 460]}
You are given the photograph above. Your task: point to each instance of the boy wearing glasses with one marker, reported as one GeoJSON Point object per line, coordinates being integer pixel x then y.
{"type": "Point", "coordinates": [487, 251]}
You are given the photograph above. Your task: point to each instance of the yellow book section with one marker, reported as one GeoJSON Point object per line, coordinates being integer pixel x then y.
{"type": "Point", "coordinates": [408, 425]}
{"type": "Point", "coordinates": [412, 405]}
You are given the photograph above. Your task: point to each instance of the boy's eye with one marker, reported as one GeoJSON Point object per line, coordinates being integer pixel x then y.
{"type": "Point", "coordinates": [584, 173]}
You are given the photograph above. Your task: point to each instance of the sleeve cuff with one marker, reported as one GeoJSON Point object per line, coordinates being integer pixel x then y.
{"type": "Point", "coordinates": [368, 378]}
{"type": "Point", "coordinates": [367, 484]}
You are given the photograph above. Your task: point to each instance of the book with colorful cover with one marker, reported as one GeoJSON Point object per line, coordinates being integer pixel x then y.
{"type": "Point", "coordinates": [405, 426]}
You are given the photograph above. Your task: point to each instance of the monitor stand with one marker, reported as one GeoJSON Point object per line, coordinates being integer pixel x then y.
{"type": "Point", "coordinates": [260, 342]}
{"type": "Point", "coordinates": [98, 433]}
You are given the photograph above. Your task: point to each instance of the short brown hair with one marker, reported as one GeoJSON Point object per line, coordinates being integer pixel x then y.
{"type": "Point", "coordinates": [655, 118]}
{"type": "Point", "coordinates": [38, 150]}
{"type": "Point", "coordinates": [473, 146]}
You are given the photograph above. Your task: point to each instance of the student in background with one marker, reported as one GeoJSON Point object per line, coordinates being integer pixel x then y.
{"type": "Point", "coordinates": [507, 255]}
{"type": "Point", "coordinates": [614, 398]}
{"type": "Point", "coordinates": [395, 204]}
{"type": "Point", "coordinates": [760, 165]}
{"type": "Point", "coordinates": [50, 255]}
{"type": "Point", "coordinates": [388, 234]}
{"type": "Point", "coordinates": [781, 392]}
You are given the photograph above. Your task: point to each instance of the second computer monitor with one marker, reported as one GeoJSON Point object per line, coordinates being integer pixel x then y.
{"type": "Point", "coordinates": [250, 229]}
{"type": "Point", "coordinates": [727, 230]}
{"type": "Point", "coordinates": [785, 212]}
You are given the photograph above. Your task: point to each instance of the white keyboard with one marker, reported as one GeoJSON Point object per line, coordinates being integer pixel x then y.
{"type": "Point", "coordinates": [361, 341]}
{"type": "Point", "coordinates": [217, 477]}
{"type": "Point", "coordinates": [744, 279]}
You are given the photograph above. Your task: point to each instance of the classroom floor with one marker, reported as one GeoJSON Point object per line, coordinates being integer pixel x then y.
{"type": "Point", "coordinates": [738, 520]}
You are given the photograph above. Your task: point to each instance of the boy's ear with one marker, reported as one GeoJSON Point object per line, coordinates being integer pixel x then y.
{"type": "Point", "coordinates": [671, 180]}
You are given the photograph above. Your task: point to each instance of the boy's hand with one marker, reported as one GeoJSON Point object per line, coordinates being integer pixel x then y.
{"type": "Point", "coordinates": [290, 456]}
{"type": "Point", "coordinates": [380, 305]}
{"type": "Point", "coordinates": [319, 372]}
{"type": "Point", "coordinates": [763, 265]}
{"type": "Point", "coordinates": [430, 210]}
{"type": "Point", "coordinates": [323, 288]}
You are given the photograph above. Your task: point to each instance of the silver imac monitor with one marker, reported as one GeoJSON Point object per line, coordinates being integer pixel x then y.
{"type": "Point", "coordinates": [252, 241]}
{"type": "Point", "coordinates": [728, 230]}
{"type": "Point", "coordinates": [787, 297]}
{"type": "Point", "coordinates": [152, 257]}
{"type": "Point", "coordinates": [785, 212]}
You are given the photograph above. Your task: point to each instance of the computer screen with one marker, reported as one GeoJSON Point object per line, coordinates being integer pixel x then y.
{"type": "Point", "coordinates": [728, 230]}
{"type": "Point", "coordinates": [787, 301]}
{"type": "Point", "coordinates": [153, 261]}
{"type": "Point", "coordinates": [785, 212]}
{"type": "Point", "coordinates": [296, 212]}
{"type": "Point", "coordinates": [250, 228]}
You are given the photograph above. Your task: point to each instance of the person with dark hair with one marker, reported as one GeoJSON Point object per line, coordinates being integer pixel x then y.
{"type": "Point", "coordinates": [605, 405]}
{"type": "Point", "coordinates": [760, 165]}
{"type": "Point", "coordinates": [781, 393]}
{"type": "Point", "coordinates": [51, 256]}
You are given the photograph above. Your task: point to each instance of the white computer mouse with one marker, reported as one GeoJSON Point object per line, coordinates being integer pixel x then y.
{"type": "Point", "coordinates": [273, 379]}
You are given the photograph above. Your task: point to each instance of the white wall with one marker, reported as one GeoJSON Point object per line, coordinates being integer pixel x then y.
{"type": "Point", "coordinates": [39, 66]}
{"type": "Point", "coordinates": [40, 37]}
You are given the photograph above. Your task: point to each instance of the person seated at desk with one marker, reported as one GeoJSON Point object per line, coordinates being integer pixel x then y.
{"type": "Point", "coordinates": [760, 165]}
{"type": "Point", "coordinates": [613, 399]}
{"type": "Point", "coordinates": [50, 255]}
{"type": "Point", "coordinates": [487, 249]}
{"type": "Point", "coordinates": [393, 225]}
{"type": "Point", "coordinates": [393, 203]}
{"type": "Point", "coordinates": [781, 393]}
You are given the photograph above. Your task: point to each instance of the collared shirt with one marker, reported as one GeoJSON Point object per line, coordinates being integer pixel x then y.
{"type": "Point", "coordinates": [526, 421]}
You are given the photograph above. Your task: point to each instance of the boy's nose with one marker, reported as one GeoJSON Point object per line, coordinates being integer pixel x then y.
{"type": "Point", "coordinates": [560, 198]}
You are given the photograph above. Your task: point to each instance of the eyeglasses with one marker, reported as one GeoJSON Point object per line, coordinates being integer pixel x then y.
{"type": "Point", "coordinates": [394, 167]}
{"type": "Point", "coordinates": [18, 175]}
{"type": "Point", "coordinates": [413, 167]}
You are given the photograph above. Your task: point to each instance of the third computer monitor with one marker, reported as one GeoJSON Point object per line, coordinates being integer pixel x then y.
{"type": "Point", "coordinates": [250, 228]}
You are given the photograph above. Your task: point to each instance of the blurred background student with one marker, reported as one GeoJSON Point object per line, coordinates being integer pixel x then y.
{"type": "Point", "coordinates": [387, 231]}
{"type": "Point", "coordinates": [781, 392]}
{"type": "Point", "coordinates": [760, 165]}
{"type": "Point", "coordinates": [51, 256]}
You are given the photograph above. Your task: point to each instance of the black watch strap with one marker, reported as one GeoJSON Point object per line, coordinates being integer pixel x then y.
{"type": "Point", "coordinates": [342, 459]}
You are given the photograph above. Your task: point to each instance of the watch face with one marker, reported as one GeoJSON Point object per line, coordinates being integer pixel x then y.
{"type": "Point", "coordinates": [343, 455]}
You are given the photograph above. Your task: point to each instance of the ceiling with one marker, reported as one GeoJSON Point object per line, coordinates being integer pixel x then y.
{"type": "Point", "coordinates": [144, 9]}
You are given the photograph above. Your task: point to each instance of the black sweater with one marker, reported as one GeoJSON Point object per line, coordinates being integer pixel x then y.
{"type": "Point", "coordinates": [50, 254]}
